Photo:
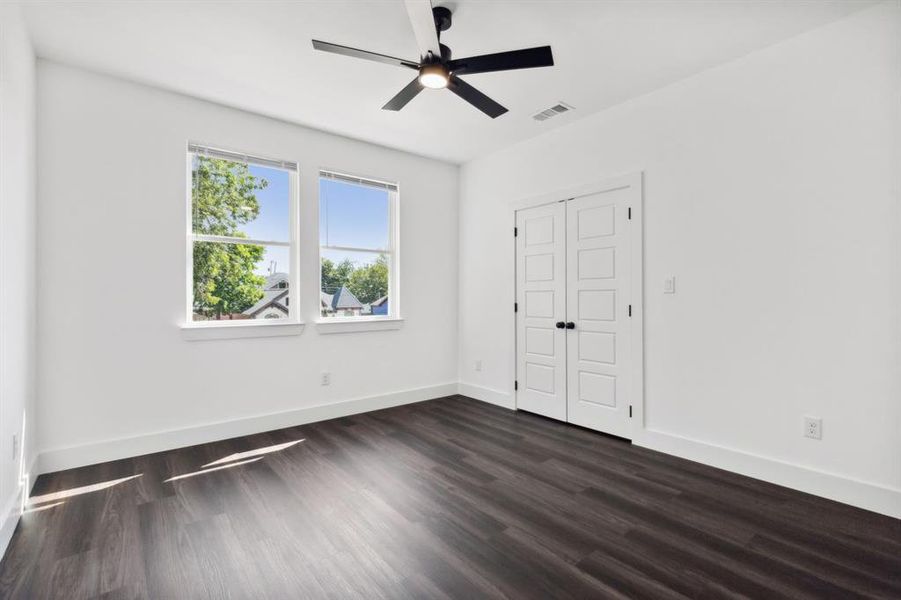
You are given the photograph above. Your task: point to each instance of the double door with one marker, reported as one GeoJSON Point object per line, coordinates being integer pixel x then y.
{"type": "Point", "coordinates": [573, 320]}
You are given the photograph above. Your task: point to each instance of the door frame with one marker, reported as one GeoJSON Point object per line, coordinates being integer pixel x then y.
{"type": "Point", "coordinates": [635, 182]}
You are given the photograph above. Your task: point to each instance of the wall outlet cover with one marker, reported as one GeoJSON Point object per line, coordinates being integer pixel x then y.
{"type": "Point", "coordinates": [813, 428]}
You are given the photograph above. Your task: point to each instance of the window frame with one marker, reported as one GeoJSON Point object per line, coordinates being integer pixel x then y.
{"type": "Point", "coordinates": [392, 251]}
{"type": "Point", "coordinates": [293, 322]}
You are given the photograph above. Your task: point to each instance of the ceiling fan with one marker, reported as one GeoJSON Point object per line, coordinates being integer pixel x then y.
{"type": "Point", "coordinates": [436, 67]}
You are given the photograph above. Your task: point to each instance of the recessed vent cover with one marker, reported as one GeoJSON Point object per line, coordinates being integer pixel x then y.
{"type": "Point", "coordinates": [557, 109]}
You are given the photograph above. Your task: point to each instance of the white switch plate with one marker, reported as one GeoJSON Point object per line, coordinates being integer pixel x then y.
{"type": "Point", "coordinates": [478, 365]}
{"type": "Point", "coordinates": [325, 378]}
{"type": "Point", "coordinates": [669, 285]}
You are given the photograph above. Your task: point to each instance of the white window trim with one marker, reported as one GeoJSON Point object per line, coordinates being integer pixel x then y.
{"type": "Point", "coordinates": [393, 319]}
{"type": "Point", "coordinates": [250, 328]}
{"type": "Point", "coordinates": [354, 324]}
{"type": "Point", "coordinates": [293, 323]}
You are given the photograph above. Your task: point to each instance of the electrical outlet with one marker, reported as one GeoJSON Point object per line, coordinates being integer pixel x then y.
{"type": "Point", "coordinates": [669, 285]}
{"type": "Point", "coordinates": [813, 428]}
{"type": "Point", "coordinates": [478, 365]}
{"type": "Point", "coordinates": [325, 378]}
{"type": "Point", "coordinates": [15, 446]}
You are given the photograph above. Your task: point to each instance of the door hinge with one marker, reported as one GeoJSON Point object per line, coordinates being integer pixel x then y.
{"type": "Point", "coordinates": [515, 385]}
{"type": "Point", "coordinates": [630, 213]}
{"type": "Point", "coordinates": [515, 231]}
{"type": "Point", "coordinates": [630, 310]}
{"type": "Point", "coordinates": [630, 411]}
{"type": "Point", "coordinates": [516, 307]}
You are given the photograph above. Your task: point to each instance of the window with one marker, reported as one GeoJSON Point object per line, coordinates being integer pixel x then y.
{"type": "Point", "coordinates": [242, 237]}
{"type": "Point", "coordinates": [357, 247]}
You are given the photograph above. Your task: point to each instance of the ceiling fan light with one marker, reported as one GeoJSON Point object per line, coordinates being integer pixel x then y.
{"type": "Point", "coordinates": [433, 76]}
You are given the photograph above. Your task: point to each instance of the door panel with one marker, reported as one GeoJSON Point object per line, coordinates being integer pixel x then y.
{"type": "Point", "coordinates": [541, 297]}
{"type": "Point", "coordinates": [598, 288]}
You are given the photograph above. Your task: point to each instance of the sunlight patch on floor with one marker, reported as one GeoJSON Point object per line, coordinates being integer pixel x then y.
{"type": "Point", "coordinates": [210, 470]}
{"type": "Point", "coordinates": [249, 453]}
{"type": "Point", "coordinates": [85, 489]}
{"type": "Point", "coordinates": [40, 508]}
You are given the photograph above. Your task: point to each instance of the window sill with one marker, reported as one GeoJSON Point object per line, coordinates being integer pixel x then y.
{"type": "Point", "coordinates": [210, 330]}
{"type": "Point", "coordinates": [352, 325]}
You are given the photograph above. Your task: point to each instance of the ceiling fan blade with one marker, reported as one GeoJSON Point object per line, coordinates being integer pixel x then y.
{"type": "Point", "coordinates": [503, 61]}
{"type": "Point", "coordinates": [423, 22]}
{"type": "Point", "coordinates": [475, 97]}
{"type": "Point", "coordinates": [365, 54]}
{"type": "Point", "coordinates": [405, 95]}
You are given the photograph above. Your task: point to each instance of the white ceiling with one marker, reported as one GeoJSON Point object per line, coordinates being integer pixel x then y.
{"type": "Point", "coordinates": [257, 56]}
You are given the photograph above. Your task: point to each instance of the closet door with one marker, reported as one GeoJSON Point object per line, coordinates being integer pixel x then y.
{"type": "Point", "coordinates": [597, 291]}
{"type": "Point", "coordinates": [541, 310]}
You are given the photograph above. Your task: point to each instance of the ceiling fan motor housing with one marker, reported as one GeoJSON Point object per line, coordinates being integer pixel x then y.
{"type": "Point", "coordinates": [431, 59]}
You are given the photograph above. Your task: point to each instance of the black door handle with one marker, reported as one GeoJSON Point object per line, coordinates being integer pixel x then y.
{"type": "Point", "coordinates": [560, 324]}
{"type": "Point", "coordinates": [570, 325]}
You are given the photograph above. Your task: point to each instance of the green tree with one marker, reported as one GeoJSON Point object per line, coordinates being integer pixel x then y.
{"type": "Point", "coordinates": [223, 199]}
{"type": "Point", "coordinates": [370, 283]}
{"type": "Point", "coordinates": [335, 275]}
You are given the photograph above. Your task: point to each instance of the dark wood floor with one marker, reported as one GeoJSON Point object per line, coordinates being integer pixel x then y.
{"type": "Point", "coordinates": [450, 498]}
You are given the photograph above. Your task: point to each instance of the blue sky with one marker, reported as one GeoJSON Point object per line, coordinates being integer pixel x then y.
{"type": "Point", "coordinates": [272, 222]}
{"type": "Point", "coordinates": [349, 215]}
{"type": "Point", "coordinates": [352, 215]}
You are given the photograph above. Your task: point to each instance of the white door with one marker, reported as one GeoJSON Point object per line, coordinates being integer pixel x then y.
{"type": "Point", "coordinates": [541, 305]}
{"type": "Point", "coordinates": [598, 274]}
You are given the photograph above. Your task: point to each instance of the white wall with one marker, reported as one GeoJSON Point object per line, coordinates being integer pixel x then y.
{"type": "Point", "coordinates": [17, 252]}
{"type": "Point", "coordinates": [772, 194]}
{"type": "Point", "coordinates": [114, 367]}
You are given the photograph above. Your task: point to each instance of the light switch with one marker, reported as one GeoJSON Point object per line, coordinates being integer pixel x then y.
{"type": "Point", "coordinates": [669, 285]}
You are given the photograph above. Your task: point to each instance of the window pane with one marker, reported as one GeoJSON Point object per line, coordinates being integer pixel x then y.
{"type": "Point", "coordinates": [354, 284]}
{"type": "Point", "coordinates": [238, 200]}
{"type": "Point", "coordinates": [240, 281]}
{"type": "Point", "coordinates": [353, 216]}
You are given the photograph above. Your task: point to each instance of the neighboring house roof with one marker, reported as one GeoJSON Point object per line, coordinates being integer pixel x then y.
{"type": "Point", "coordinates": [380, 301]}
{"type": "Point", "coordinates": [277, 298]}
{"type": "Point", "coordinates": [272, 295]}
{"type": "Point", "coordinates": [343, 299]}
{"type": "Point", "coordinates": [273, 280]}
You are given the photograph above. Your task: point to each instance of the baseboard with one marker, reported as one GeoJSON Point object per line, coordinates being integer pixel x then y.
{"type": "Point", "coordinates": [11, 514]}
{"type": "Point", "coordinates": [862, 494]}
{"type": "Point", "coordinates": [488, 395]}
{"type": "Point", "coordinates": [59, 459]}
{"type": "Point", "coordinates": [12, 508]}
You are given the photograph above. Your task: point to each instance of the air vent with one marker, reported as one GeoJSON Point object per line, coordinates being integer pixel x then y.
{"type": "Point", "coordinates": [557, 109]}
